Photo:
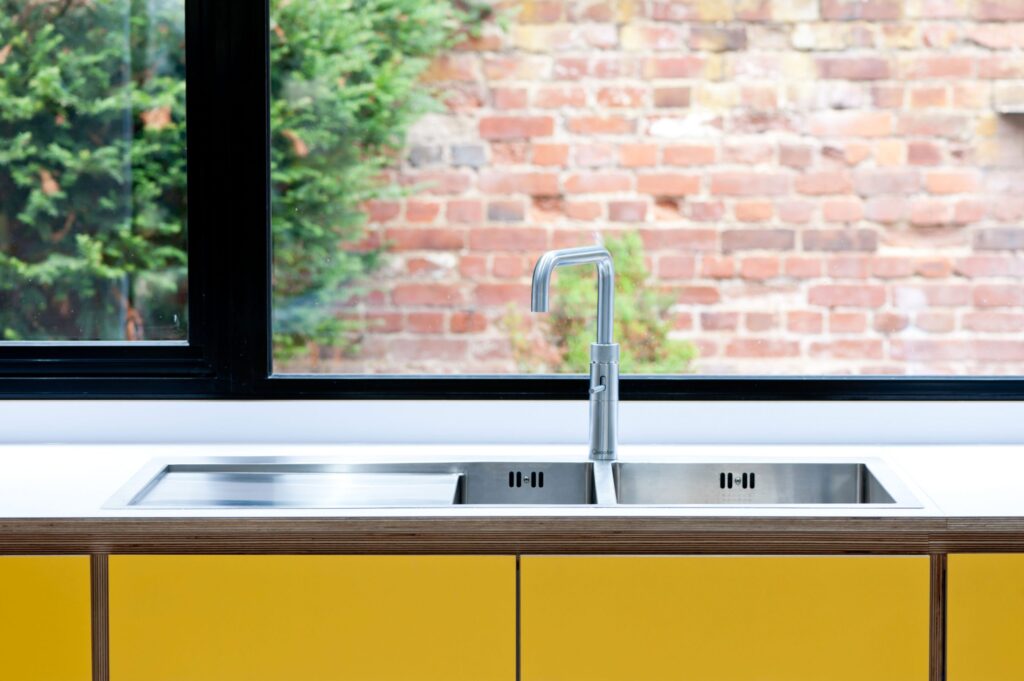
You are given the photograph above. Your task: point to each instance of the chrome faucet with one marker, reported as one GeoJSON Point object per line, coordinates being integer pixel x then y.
{"type": "Point", "coordinates": [604, 354]}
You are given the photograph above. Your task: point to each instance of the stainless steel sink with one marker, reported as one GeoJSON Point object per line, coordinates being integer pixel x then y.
{"type": "Point", "coordinates": [269, 482]}
{"type": "Point", "coordinates": [760, 484]}
{"type": "Point", "coordinates": [283, 483]}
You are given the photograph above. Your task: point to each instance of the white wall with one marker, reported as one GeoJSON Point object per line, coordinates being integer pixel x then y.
{"type": "Point", "coordinates": [508, 422]}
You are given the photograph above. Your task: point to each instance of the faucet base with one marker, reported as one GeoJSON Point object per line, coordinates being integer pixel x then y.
{"type": "Point", "coordinates": [604, 401]}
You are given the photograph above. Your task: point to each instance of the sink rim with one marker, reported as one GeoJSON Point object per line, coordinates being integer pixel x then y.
{"type": "Point", "coordinates": [601, 474]}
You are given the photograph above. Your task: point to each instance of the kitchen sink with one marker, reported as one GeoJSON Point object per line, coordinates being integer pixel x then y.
{"type": "Point", "coordinates": [279, 483]}
{"type": "Point", "coordinates": [759, 484]}
{"type": "Point", "coordinates": [269, 482]}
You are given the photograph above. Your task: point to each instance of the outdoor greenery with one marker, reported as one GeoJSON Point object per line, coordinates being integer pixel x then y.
{"type": "Point", "coordinates": [643, 320]}
{"type": "Point", "coordinates": [92, 170]}
{"type": "Point", "coordinates": [92, 158]}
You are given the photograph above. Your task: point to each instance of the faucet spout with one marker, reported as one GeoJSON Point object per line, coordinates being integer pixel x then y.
{"type": "Point", "coordinates": [604, 354]}
{"type": "Point", "coordinates": [585, 255]}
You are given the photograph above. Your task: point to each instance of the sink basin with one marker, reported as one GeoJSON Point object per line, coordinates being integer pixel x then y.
{"type": "Point", "coordinates": [269, 482]}
{"type": "Point", "coordinates": [760, 484]}
{"type": "Point", "coordinates": [277, 483]}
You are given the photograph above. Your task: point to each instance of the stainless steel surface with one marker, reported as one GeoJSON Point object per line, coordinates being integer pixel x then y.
{"type": "Point", "coordinates": [604, 354]}
{"type": "Point", "coordinates": [760, 484]}
{"type": "Point", "coordinates": [269, 482]}
{"type": "Point", "coordinates": [277, 483]}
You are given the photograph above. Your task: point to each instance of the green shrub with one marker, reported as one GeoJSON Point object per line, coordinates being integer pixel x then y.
{"type": "Point", "coordinates": [92, 158]}
{"type": "Point", "coordinates": [643, 320]}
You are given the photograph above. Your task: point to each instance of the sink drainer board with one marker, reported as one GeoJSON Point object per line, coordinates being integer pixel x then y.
{"type": "Point", "coordinates": [273, 482]}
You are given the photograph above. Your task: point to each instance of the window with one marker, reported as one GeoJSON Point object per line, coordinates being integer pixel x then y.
{"type": "Point", "coordinates": [92, 172]}
{"type": "Point", "coordinates": [806, 200]}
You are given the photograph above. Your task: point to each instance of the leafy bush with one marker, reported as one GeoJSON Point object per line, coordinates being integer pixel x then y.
{"type": "Point", "coordinates": [92, 158]}
{"type": "Point", "coordinates": [643, 320]}
{"type": "Point", "coordinates": [344, 90]}
{"type": "Point", "coordinates": [92, 170]}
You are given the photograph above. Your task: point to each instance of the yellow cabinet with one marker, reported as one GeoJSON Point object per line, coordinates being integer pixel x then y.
{"type": "Point", "coordinates": [312, 618]}
{"type": "Point", "coordinates": [985, 617]}
{"type": "Point", "coordinates": [45, 620]}
{"type": "Point", "coordinates": [724, 618]}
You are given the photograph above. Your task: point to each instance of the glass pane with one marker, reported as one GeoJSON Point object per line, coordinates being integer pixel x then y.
{"type": "Point", "coordinates": [92, 170]}
{"type": "Point", "coordinates": [801, 187]}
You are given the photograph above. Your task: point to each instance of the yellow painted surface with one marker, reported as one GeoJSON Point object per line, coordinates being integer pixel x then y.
{"type": "Point", "coordinates": [312, 618]}
{"type": "Point", "coordinates": [985, 617]}
{"type": "Point", "coordinates": [724, 618]}
{"type": "Point", "coordinates": [45, 620]}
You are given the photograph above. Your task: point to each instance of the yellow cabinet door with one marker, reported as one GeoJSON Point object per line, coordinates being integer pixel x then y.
{"type": "Point", "coordinates": [312, 618]}
{"type": "Point", "coordinates": [985, 617]}
{"type": "Point", "coordinates": [45, 618]}
{"type": "Point", "coordinates": [724, 618]}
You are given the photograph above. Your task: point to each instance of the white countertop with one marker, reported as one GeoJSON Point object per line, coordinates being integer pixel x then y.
{"type": "Point", "coordinates": [75, 481]}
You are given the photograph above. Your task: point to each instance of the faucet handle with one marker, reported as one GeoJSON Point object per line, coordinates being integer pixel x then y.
{"type": "Point", "coordinates": [599, 388]}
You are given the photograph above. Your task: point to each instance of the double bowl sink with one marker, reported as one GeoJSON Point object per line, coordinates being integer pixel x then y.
{"type": "Point", "coordinates": [296, 484]}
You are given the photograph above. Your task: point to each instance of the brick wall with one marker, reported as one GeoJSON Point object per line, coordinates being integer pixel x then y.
{"type": "Point", "coordinates": [827, 186]}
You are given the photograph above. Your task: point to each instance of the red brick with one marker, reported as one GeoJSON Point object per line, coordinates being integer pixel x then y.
{"type": "Point", "coordinates": [803, 268]}
{"type": "Point", "coordinates": [509, 153]}
{"type": "Point", "coordinates": [749, 184]}
{"type": "Point", "coordinates": [760, 321]}
{"type": "Point", "coordinates": [679, 239]}
{"type": "Point", "coordinates": [668, 184]}
{"type": "Point", "coordinates": [382, 211]}
{"type": "Point", "coordinates": [847, 349]}
{"type": "Point", "coordinates": [690, 66]}
{"type": "Point", "coordinates": [516, 127]}
{"type": "Point", "coordinates": [999, 295]}
{"type": "Point", "coordinates": [384, 322]}
{"type": "Point", "coordinates": [759, 268]}
{"type": "Point", "coordinates": [595, 155]}
{"type": "Point", "coordinates": [505, 98]}
{"type": "Point", "coordinates": [843, 210]}
{"type": "Point", "coordinates": [598, 183]}
{"type": "Point", "coordinates": [999, 239]}
{"type": "Point", "coordinates": [754, 211]}
{"type": "Point", "coordinates": [994, 322]}
{"type": "Point", "coordinates": [627, 211]}
{"type": "Point", "coordinates": [516, 182]}
{"type": "Point", "coordinates": [705, 211]}
{"type": "Point", "coordinates": [425, 239]}
{"type": "Point", "coordinates": [840, 240]}
{"type": "Point", "coordinates": [427, 349]}
{"type": "Point", "coordinates": [935, 322]}
{"type": "Point", "coordinates": [930, 212]}
{"type": "Point", "coordinates": [761, 347]}
{"type": "Point", "coordinates": [714, 267]}
{"type": "Point", "coordinates": [848, 267]}
{"type": "Point", "coordinates": [508, 266]}
{"type": "Point", "coordinates": [473, 266]}
{"type": "Point", "coordinates": [506, 211]}
{"type": "Point", "coordinates": [937, 66]}
{"type": "Point", "coordinates": [846, 295]}
{"type": "Point", "coordinates": [465, 211]}
{"type": "Point", "coordinates": [933, 268]}
{"type": "Point", "coordinates": [676, 267]}
{"type": "Point", "coordinates": [890, 322]}
{"type": "Point", "coordinates": [422, 211]}
{"type": "Point", "coordinates": [689, 155]}
{"type": "Point", "coordinates": [969, 211]}
{"type": "Point", "coordinates": [719, 321]}
{"type": "Point", "coordinates": [861, 9]}
{"type": "Point", "coordinates": [952, 181]}
{"type": "Point", "coordinates": [758, 239]}
{"type": "Point", "coordinates": [698, 295]}
{"type": "Point", "coordinates": [853, 68]}
{"type": "Point", "coordinates": [931, 295]}
{"type": "Point", "coordinates": [847, 322]}
{"type": "Point", "coordinates": [980, 266]}
{"type": "Point", "coordinates": [891, 267]}
{"type": "Point", "coordinates": [601, 125]}
{"type": "Point", "coordinates": [949, 126]}
{"type": "Point", "coordinates": [824, 182]}
{"type": "Point", "coordinates": [425, 322]}
{"type": "Point", "coordinates": [638, 155]}
{"type": "Point", "coordinates": [929, 350]}
{"type": "Point", "coordinates": [672, 97]}
{"type": "Point", "coordinates": [583, 210]}
{"type": "Point", "coordinates": [499, 295]}
{"type": "Point", "coordinates": [550, 154]}
{"type": "Point", "coordinates": [436, 182]}
{"type": "Point", "coordinates": [508, 239]}
{"type": "Point", "coordinates": [556, 97]}
{"type": "Point", "coordinates": [851, 124]}
{"type": "Point", "coordinates": [876, 182]}
{"type": "Point", "coordinates": [887, 209]}
{"type": "Point", "coordinates": [621, 97]}
{"type": "Point", "coordinates": [999, 10]}
{"type": "Point", "coordinates": [802, 321]}
{"type": "Point", "coordinates": [920, 153]}
{"type": "Point", "coordinates": [795, 211]}
{"type": "Point", "coordinates": [929, 97]}
{"type": "Point", "coordinates": [426, 295]}
{"type": "Point", "coordinates": [748, 153]}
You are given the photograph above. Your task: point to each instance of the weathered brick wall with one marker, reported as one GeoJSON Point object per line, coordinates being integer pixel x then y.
{"type": "Point", "coordinates": [828, 186]}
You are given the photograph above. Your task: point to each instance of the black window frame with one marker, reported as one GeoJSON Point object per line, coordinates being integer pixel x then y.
{"type": "Point", "coordinates": [228, 355]}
